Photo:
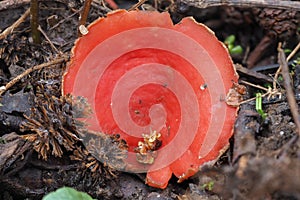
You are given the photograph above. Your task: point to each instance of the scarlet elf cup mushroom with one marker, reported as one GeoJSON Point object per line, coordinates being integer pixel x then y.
{"type": "Point", "coordinates": [153, 83]}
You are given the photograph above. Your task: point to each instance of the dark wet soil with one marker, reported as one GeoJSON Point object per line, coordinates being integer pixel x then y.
{"type": "Point", "coordinates": [263, 161]}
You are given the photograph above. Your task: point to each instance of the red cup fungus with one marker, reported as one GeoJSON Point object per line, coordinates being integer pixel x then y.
{"type": "Point", "coordinates": [161, 86]}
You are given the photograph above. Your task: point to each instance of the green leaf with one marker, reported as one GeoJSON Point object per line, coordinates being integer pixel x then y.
{"type": "Point", "coordinates": [208, 186]}
{"type": "Point", "coordinates": [230, 46]}
{"type": "Point", "coordinates": [67, 193]}
{"type": "Point", "coordinates": [230, 39]}
{"type": "Point", "coordinates": [258, 106]}
{"type": "Point", "coordinates": [236, 50]}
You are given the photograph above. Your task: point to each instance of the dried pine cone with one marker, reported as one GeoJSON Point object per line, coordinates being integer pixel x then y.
{"type": "Point", "coordinates": [278, 23]}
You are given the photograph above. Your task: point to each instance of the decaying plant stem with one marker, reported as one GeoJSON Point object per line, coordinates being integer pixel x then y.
{"type": "Point", "coordinates": [28, 71]}
{"type": "Point", "coordinates": [84, 14]}
{"type": "Point", "coordinates": [287, 60]}
{"type": "Point", "coordinates": [10, 29]}
{"type": "Point", "coordinates": [295, 5]}
{"type": "Point", "coordinates": [288, 87]}
{"type": "Point", "coordinates": [34, 21]}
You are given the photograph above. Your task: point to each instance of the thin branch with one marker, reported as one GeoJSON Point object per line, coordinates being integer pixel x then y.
{"type": "Point", "coordinates": [100, 5]}
{"type": "Point", "coordinates": [280, 67]}
{"type": "Point", "coordinates": [47, 38]}
{"type": "Point", "coordinates": [256, 75]}
{"type": "Point", "coordinates": [10, 29]}
{"type": "Point", "coordinates": [284, 4]}
{"type": "Point", "coordinates": [8, 4]}
{"type": "Point", "coordinates": [28, 71]}
{"type": "Point", "coordinates": [64, 20]}
{"type": "Point", "coordinates": [256, 86]}
{"type": "Point", "coordinates": [275, 79]}
{"type": "Point", "coordinates": [138, 4]}
{"type": "Point", "coordinates": [34, 21]}
{"type": "Point", "coordinates": [253, 98]}
{"type": "Point", "coordinates": [84, 14]}
{"type": "Point", "coordinates": [293, 52]}
{"type": "Point", "coordinates": [288, 87]}
{"type": "Point", "coordinates": [11, 4]}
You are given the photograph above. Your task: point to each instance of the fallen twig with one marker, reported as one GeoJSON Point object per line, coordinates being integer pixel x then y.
{"type": "Point", "coordinates": [34, 21]}
{"type": "Point", "coordinates": [138, 4]}
{"type": "Point", "coordinates": [6, 4]}
{"type": "Point", "coordinates": [268, 67]}
{"type": "Point", "coordinates": [293, 52]}
{"type": "Point", "coordinates": [253, 74]}
{"type": "Point", "coordinates": [252, 99]}
{"type": "Point", "coordinates": [64, 20]}
{"type": "Point", "coordinates": [270, 91]}
{"type": "Point", "coordinates": [11, 4]}
{"type": "Point", "coordinates": [287, 60]}
{"type": "Point", "coordinates": [256, 54]}
{"type": "Point", "coordinates": [84, 14]}
{"type": "Point", "coordinates": [288, 87]}
{"type": "Point", "coordinates": [10, 29]}
{"type": "Point", "coordinates": [100, 5]}
{"type": "Point", "coordinates": [28, 71]}
{"type": "Point", "coordinates": [283, 4]}
{"type": "Point", "coordinates": [256, 86]}
{"type": "Point", "coordinates": [47, 38]}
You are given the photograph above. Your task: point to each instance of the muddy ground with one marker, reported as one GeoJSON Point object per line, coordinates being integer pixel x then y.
{"type": "Point", "coordinates": [263, 161]}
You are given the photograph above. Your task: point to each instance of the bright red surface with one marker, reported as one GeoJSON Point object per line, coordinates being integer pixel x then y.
{"type": "Point", "coordinates": [139, 72]}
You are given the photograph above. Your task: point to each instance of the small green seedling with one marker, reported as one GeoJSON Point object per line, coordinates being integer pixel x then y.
{"type": "Point", "coordinates": [233, 49]}
{"type": "Point", "coordinates": [236, 50]}
{"type": "Point", "coordinates": [208, 186]}
{"type": "Point", "coordinates": [67, 193]}
{"type": "Point", "coordinates": [229, 40]}
{"type": "Point", "coordinates": [287, 50]}
{"type": "Point", "coordinates": [258, 106]}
